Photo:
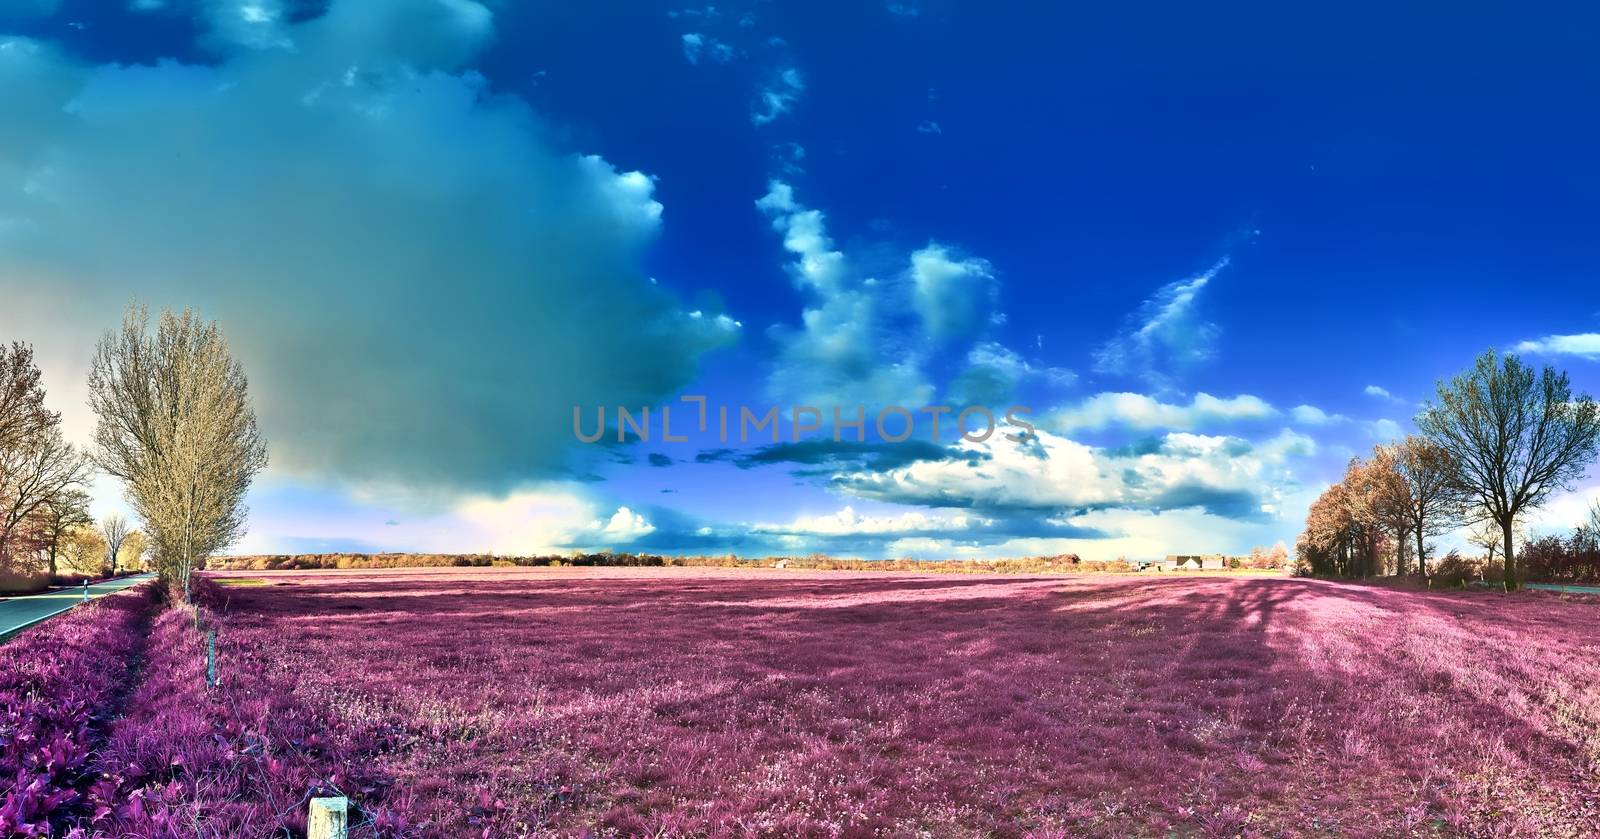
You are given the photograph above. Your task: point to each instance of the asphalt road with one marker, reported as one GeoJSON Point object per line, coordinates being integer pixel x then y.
{"type": "Point", "coordinates": [19, 612]}
{"type": "Point", "coordinates": [1574, 589]}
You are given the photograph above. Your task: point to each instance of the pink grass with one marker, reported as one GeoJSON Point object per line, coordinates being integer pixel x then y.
{"type": "Point", "coordinates": [726, 703]}
{"type": "Point", "coordinates": [60, 681]}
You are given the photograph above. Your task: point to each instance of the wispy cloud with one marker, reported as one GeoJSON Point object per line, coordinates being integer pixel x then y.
{"type": "Point", "coordinates": [1377, 392]}
{"type": "Point", "coordinates": [1584, 345]}
{"type": "Point", "coordinates": [697, 46]}
{"type": "Point", "coordinates": [1165, 335]}
{"type": "Point", "coordinates": [778, 96]}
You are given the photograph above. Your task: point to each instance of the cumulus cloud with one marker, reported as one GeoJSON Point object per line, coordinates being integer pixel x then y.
{"type": "Point", "coordinates": [535, 521]}
{"type": "Point", "coordinates": [1166, 335]}
{"type": "Point", "coordinates": [844, 353]}
{"type": "Point", "coordinates": [410, 268]}
{"type": "Point", "coordinates": [866, 336]}
{"type": "Point", "coordinates": [778, 96]}
{"type": "Point", "coordinates": [1585, 346]}
{"type": "Point", "coordinates": [1137, 410]}
{"type": "Point", "coordinates": [1220, 475]}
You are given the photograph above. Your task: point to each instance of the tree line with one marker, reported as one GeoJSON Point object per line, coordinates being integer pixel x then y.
{"type": "Point", "coordinates": [1498, 441]}
{"type": "Point", "coordinates": [174, 425]}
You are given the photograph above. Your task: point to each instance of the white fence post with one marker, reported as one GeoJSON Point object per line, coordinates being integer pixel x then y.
{"type": "Point", "coordinates": [328, 818]}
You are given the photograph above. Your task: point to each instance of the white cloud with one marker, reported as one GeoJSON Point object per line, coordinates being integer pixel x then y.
{"type": "Point", "coordinates": [1136, 410]}
{"type": "Point", "coordinates": [843, 354]}
{"type": "Point", "coordinates": [1377, 392]}
{"type": "Point", "coordinates": [994, 372]}
{"type": "Point", "coordinates": [396, 251]}
{"type": "Point", "coordinates": [702, 13]}
{"type": "Point", "coordinates": [928, 126]}
{"type": "Point", "coordinates": [1225, 476]}
{"type": "Point", "coordinates": [254, 24]}
{"type": "Point", "coordinates": [804, 235]}
{"type": "Point", "coordinates": [1585, 345]}
{"type": "Point", "coordinates": [693, 43]}
{"type": "Point", "coordinates": [1312, 415]}
{"type": "Point", "coordinates": [697, 45]}
{"type": "Point", "coordinates": [864, 339]}
{"type": "Point", "coordinates": [1564, 512]}
{"type": "Point", "coordinates": [624, 526]}
{"type": "Point", "coordinates": [1166, 335]}
{"type": "Point", "coordinates": [778, 96]}
{"type": "Point", "coordinates": [950, 293]}
{"type": "Point", "coordinates": [546, 520]}
{"type": "Point", "coordinates": [1384, 429]}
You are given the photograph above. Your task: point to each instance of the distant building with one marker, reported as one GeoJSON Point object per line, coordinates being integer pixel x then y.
{"type": "Point", "coordinates": [1197, 562]}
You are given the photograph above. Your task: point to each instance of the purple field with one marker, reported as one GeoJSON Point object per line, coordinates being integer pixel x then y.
{"type": "Point", "coordinates": [726, 703]}
{"type": "Point", "coordinates": [678, 702]}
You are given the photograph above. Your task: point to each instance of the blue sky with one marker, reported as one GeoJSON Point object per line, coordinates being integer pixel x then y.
{"type": "Point", "coordinates": [1216, 250]}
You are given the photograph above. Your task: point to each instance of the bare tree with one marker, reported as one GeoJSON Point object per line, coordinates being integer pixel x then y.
{"type": "Point", "coordinates": [176, 425]}
{"type": "Point", "coordinates": [1592, 522]}
{"type": "Point", "coordinates": [32, 474]}
{"type": "Point", "coordinates": [1513, 437]}
{"type": "Point", "coordinates": [115, 530]}
{"type": "Point", "coordinates": [1485, 533]}
{"type": "Point", "coordinates": [1432, 503]}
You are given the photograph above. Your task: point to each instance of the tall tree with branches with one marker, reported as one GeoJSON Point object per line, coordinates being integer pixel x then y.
{"type": "Point", "coordinates": [176, 426]}
{"type": "Point", "coordinates": [1432, 504]}
{"type": "Point", "coordinates": [1389, 499]}
{"type": "Point", "coordinates": [23, 417]}
{"type": "Point", "coordinates": [33, 472]}
{"type": "Point", "coordinates": [1513, 437]}
{"type": "Point", "coordinates": [59, 516]}
{"type": "Point", "coordinates": [114, 528]}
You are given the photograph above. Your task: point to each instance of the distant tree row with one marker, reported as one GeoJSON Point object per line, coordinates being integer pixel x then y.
{"type": "Point", "coordinates": [1497, 442]}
